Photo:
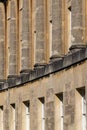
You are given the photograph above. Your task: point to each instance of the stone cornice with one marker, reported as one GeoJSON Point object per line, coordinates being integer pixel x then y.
{"type": "Point", "coordinates": [41, 71]}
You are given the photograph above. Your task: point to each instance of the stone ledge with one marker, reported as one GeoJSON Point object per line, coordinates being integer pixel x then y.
{"type": "Point", "coordinates": [57, 65]}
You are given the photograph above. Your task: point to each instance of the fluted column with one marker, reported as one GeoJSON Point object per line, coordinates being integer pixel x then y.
{"type": "Point", "coordinates": [77, 17]}
{"type": "Point", "coordinates": [2, 41]}
{"type": "Point", "coordinates": [56, 28]}
{"type": "Point", "coordinates": [12, 38]}
{"type": "Point", "coordinates": [25, 34]}
{"type": "Point", "coordinates": [49, 28]}
{"type": "Point", "coordinates": [39, 31]}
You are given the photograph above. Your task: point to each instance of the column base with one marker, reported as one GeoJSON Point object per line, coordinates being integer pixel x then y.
{"type": "Point", "coordinates": [55, 57]}
{"type": "Point", "coordinates": [12, 76]}
{"type": "Point", "coordinates": [25, 71]}
{"type": "Point", "coordinates": [2, 81]}
{"type": "Point", "coordinates": [39, 65]}
{"type": "Point", "coordinates": [77, 47]}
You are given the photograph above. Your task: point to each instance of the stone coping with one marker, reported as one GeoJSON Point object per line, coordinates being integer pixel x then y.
{"type": "Point", "coordinates": [40, 71]}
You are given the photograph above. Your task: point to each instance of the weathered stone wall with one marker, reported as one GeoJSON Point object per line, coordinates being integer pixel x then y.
{"type": "Point", "coordinates": [66, 81]}
{"type": "Point", "coordinates": [32, 33]}
{"type": "Point", "coordinates": [37, 31]}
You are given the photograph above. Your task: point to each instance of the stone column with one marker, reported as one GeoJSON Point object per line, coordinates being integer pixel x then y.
{"type": "Point", "coordinates": [77, 24]}
{"type": "Point", "coordinates": [56, 28]}
{"type": "Point", "coordinates": [12, 36]}
{"type": "Point", "coordinates": [2, 41]}
{"type": "Point", "coordinates": [49, 28]}
{"type": "Point", "coordinates": [25, 35]}
{"type": "Point", "coordinates": [39, 31]}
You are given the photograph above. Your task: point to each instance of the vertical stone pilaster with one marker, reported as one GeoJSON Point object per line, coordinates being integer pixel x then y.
{"type": "Point", "coordinates": [18, 113]}
{"type": "Point", "coordinates": [2, 40]}
{"type": "Point", "coordinates": [56, 28]}
{"type": "Point", "coordinates": [39, 31]}
{"type": "Point", "coordinates": [6, 108]}
{"type": "Point", "coordinates": [6, 119]}
{"type": "Point", "coordinates": [49, 106]}
{"type": "Point", "coordinates": [12, 35]}
{"type": "Point", "coordinates": [25, 34]}
{"type": "Point", "coordinates": [69, 107]}
{"type": "Point", "coordinates": [77, 24]}
{"type": "Point", "coordinates": [49, 109]}
{"type": "Point", "coordinates": [33, 111]}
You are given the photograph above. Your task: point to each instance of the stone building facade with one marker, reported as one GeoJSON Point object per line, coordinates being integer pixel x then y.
{"type": "Point", "coordinates": [43, 64]}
